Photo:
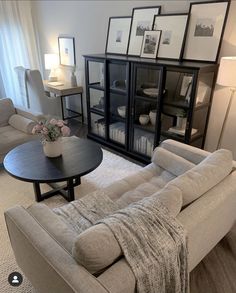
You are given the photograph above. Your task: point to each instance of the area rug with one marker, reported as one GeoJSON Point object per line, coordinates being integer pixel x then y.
{"type": "Point", "coordinates": [15, 192]}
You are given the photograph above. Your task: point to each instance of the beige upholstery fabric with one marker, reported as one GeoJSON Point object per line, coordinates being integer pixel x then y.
{"type": "Point", "coordinates": [96, 248]}
{"type": "Point", "coordinates": [54, 225]}
{"type": "Point", "coordinates": [171, 162]}
{"type": "Point", "coordinates": [119, 278]}
{"type": "Point", "coordinates": [6, 110]}
{"type": "Point", "coordinates": [21, 123]}
{"type": "Point", "coordinates": [209, 218]}
{"type": "Point", "coordinates": [204, 176]}
{"type": "Point", "coordinates": [192, 154]}
{"type": "Point", "coordinates": [30, 115]}
{"type": "Point", "coordinates": [11, 137]}
{"type": "Point", "coordinates": [48, 266]}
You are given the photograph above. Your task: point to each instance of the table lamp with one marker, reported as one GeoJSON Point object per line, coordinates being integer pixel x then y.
{"type": "Point", "coordinates": [227, 77]}
{"type": "Point", "coordinates": [51, 62]}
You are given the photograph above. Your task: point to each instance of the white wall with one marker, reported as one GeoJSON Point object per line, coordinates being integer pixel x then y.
{"type": "Point", "coordinates": [87, 22]}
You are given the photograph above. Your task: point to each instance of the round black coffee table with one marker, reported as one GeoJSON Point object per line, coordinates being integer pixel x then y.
{"type": "Point", "coordinates": [27, 162]}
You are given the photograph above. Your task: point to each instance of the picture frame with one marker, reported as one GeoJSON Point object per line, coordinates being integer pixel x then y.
{"type": "Point", "coordinates": [173, 27]}
{"type": "Point", "coordinates": [205, 30]}
{"type": "Point", "coordinates": [66, 47]}
{"type": "Point", "coordinates": [118, 35]}
{"type": "Point", "coordinates": [142, 20]}
{"type": "Point", "coordinates": [151, 40]}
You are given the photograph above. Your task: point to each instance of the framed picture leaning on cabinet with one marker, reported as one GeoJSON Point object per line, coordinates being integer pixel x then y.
{"type": "Point", "coordinates": [118, 35]}
{"type": "Point", "coordinates": [150, 44]}
{"type": "Point", "coordinates": [205, 30]}
{"type": "Point", "coordinates": [173, 27]}
{"type": "Point", "coordinates": [142, 20]}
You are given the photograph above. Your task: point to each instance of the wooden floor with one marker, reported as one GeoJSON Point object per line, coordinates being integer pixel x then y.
{"type": "Point", "coordinates": [216, 273]}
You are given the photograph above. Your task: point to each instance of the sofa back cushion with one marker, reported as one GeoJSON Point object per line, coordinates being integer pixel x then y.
{"type": "Point", "coordinates": [97, 248]}
{"type": "Point", "coordinates": [171, 162]}
{"type": "Point", "coordinates": [6, 110]}
{"type": "Point", "coordinates": [204, 176]}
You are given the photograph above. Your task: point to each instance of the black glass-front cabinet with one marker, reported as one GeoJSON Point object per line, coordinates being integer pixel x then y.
{"type": "Point", "coordinates": [133, 104]}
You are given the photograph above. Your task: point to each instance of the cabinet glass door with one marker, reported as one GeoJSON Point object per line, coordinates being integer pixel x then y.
{"type": "Point", "coordinates": [176, 104]}
{"type": "Point", "coordinates": [118, 102]}
{"type": "Point", "coordinates": [145, 109]}
{"type": "Point", "coordinates": [96, 98]}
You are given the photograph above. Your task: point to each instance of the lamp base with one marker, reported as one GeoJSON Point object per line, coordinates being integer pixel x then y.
{"type": "Point", "coordinates": [52, 76]}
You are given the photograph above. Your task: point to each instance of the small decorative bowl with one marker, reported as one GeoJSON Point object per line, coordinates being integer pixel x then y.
{"type": "Point", "coordinates": [143, 119]}
{"type": "Point", "coordinates": [122, 111]}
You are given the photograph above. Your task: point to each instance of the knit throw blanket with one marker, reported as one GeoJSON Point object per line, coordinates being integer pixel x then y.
{"type": "Point", "coordinates": [153, 243]}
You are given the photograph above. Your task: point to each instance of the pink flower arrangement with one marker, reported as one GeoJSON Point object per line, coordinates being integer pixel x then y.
{"type": "Point", "coordinates": [51, 130]}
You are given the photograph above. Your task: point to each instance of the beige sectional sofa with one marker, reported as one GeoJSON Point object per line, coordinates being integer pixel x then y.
{"type": "Point", "coordinates": [15, 126]}
{"type": "Point", "coordinates": [197, 187]}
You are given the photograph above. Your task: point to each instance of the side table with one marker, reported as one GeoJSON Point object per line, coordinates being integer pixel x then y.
{"type": "Point", "coordinates": [66, 90]}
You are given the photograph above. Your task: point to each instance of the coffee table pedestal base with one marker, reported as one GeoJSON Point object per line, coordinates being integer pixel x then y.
{"type": "Point", "coordinates": [67, 190]}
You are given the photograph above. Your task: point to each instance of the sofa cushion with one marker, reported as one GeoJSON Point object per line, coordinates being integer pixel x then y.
{"type": "Point", "coordinates": [204, 176]}
{"type": "Point", "coordinates": [11, 137]}
{"type": "Point", "coordinates": [21, 123]}
{"type": "Point", "coordinates": [171, 162]}
{"type": "Point", "coordinates": [6, 110]}
{"type": "Point", "coordinates": [96, 248]}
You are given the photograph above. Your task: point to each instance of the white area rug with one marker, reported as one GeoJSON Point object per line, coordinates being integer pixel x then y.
{"type": "Point", "coordinates": [15, 192]}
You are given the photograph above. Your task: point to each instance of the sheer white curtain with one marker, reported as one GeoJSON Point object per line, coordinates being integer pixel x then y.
{"type": "Point", "coordinates": [17, 45]}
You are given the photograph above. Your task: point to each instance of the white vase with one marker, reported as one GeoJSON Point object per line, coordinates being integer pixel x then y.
{"type": "Point", "coordinates": [152, 116]}
{"type": "Point", "coordinates": [181, 122]}
{"type": "Point", "coordinates": [52, 149]}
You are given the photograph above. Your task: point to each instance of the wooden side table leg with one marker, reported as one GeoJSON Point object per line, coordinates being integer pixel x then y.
{"type": "Point", "coordinates": [70, 190]}
{"type": "Point", "coordinates": [37, 192]}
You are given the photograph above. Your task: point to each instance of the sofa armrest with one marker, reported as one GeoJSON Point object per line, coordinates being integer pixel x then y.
{"type": "Point", "coordinates": [30, 115]}
{"type": "Point", "coordinates": [48, 266]}
{"type": "Point", "coordinates": [208, 219]}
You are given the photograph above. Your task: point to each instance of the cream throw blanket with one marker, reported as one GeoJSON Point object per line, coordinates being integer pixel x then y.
{"type": "Point", "coordinates": [153, 242]}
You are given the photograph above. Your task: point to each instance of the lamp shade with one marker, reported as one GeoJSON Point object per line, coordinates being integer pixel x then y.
{"type": "Point", "coordinates": [227, 72]}
{"type": "Point", "coordinates": [51, 61]}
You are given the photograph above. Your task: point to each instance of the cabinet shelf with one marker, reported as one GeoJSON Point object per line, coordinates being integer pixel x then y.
{"type": "Point", "coordinates": [118, 91]}
{"type": "Point", "coordinates": [176, 104]}
{"type": "Point", "coordinates": [148, 99]}
{"type": "Point", "coordinates": [115, 117]}
{"type": "Point", "coordinates": [96, 86]}
{"type": "Point", "coordinates": [149, 127]}
{"type": "Point", "coordinates": [96, 111]}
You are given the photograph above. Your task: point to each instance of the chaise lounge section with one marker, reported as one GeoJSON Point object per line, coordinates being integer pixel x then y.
{"type": "Point", "coordinates": [198, 188]}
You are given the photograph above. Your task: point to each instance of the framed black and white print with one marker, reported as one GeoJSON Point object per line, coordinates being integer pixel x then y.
{"type": "Point", "coordinates": [118, 35]}
{"type": "Point", "coordinates": [150, 44]}
{"type": "Point", "coordinates": [142, 20]}
{"type": "Point", "coordinates": [205, 30]}
{"type": "Point", "coordinates": [173, 27]}
{"type": "Point", "coordinates": [66, 51]}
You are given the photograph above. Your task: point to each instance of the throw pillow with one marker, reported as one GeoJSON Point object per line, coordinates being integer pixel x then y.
{"type": "Point", "coordinates": [204, 176]}
{"type": "Point", "coordinates": [21, 123]}
{"type": "Point", "coordinates": [171, 162]}
{"type": "Point", "coordinates": [6, 110]}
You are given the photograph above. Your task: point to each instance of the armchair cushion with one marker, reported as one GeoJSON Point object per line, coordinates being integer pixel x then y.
{"type": "Point", "coordinates": [6, 111]}
{"type": "Point", "coordinates": [204, 176]}
{"type": "Point", "coordinates": [21, 123]}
